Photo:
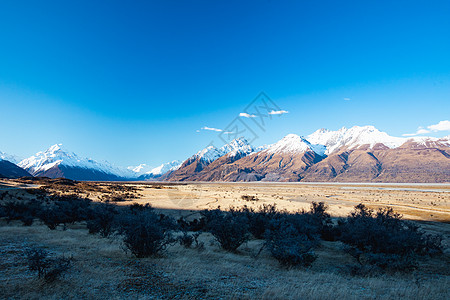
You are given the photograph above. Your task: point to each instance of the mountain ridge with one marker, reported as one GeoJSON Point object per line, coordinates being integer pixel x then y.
{"type": "Point", "coordinates": [358, 153]}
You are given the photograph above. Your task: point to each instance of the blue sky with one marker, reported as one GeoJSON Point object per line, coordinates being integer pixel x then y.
{"type": "Point", "coordinates": [134, 82]}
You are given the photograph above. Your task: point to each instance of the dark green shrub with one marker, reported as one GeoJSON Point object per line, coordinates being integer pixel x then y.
{"type": "Point", "coordinates": [144, 235]}
{"type": "Point", "coordinates": [230, 230]}
{"type": "Point", "coordinates": [289, 246]}
{"type": "Point", "coordinates": [384, 240]}
{"type": "Point", "coordinates": [23, 211]}
{"type": "Point", "coordinates": [102, 219]}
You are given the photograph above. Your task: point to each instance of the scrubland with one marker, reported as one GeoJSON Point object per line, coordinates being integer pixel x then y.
{"type": "Point", "coordinates": [280, 254]}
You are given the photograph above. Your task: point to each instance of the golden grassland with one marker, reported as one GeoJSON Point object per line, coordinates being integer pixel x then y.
{"type": "Point", "coordinates": [102, 269]}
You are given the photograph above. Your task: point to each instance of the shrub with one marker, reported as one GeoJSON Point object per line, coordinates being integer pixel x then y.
{"type": "Point", "coordinates": [186, 240]}
{"type": "Point", "coordinates": [65, 210]}
{"type": "Point", "coordinates": [249, 198]}
{"type": "Point", "coordinates": [382, 239]}
{"type": "Point", "coordinates": [144, 235]}
{"type": "Point", "coordinates": [289, 246]}
{"type": "Point", "coordinates": [37, 260]}
{"type": "Point", "coordinates": [194, 225]}
{"type": "Point", "coordinates": [102, 219]}
{"type": "Point", "coordinates": [259, 220]}
{"type": "Point", "coordinates": [23, 211]}
{"type": "Point", "coordinates": [230, 230]}
{"type": "Point", "coordinates": [385, 232]}
{"type": "Point", "coordinates": [49, 268]}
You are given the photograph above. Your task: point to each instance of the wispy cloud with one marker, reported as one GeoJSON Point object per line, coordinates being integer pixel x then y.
{"type": "Point", "coordinates": [246, 115]}
{"type": "Point", "coordinates": [278, 112]}
{"type": "Point", "coordinates": [211, 129]}
{"type": "Point", "coordinates": [441, 126]}
{"type": "Point", "coordinates": [347, 99]}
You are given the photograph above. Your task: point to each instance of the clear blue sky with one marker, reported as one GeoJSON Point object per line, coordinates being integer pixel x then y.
{"type": "Point", "coordinates": [133, 81]}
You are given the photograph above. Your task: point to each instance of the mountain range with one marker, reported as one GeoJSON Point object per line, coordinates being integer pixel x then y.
{"type": "Point", "coordinates": [356, 154]}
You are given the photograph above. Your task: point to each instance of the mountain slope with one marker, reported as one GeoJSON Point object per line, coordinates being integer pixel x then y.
{"type": "Point", "coordinates": [282, 161]}
{"type": "Point", "coordinates": [421, 159]}
{"type": "Point", "coordinates": [10, 170]}
{"type": "Point", "coordinates": [193, 166]}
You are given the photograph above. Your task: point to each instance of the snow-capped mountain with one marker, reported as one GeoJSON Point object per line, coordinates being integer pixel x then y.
{"type": "Point", "coordinates": [352, 138]}
{"type": "Point", "coordinates": [293, 143]}
{"type": "Point", "coordinates": [11, 158]}
{"type": "Point", "coordinates": [359, 153]}
{"type": "Point", "coordinates": [58, 162]}
{"type": "Point", "coordinates": [235, 147]}
{"type": "Point", "coordinates": [164, 168]}
{"type": "Point", "coordinates": [162, 171]}
{"type": "Point", "coordinates": [140, 169]}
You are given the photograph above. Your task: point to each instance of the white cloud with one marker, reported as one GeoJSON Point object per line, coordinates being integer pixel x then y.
{"type": "Point", "coordinates": [278, 112]}
{"type": "Point", "coordinates": [422, 131]}
{"type": "Point", "coordinates": [211, 129]}
{"type": "Point", "coordinates": [347, 99]}
{"type": "Point", "coordinates": [246, 115]}
{"type": "Point", "coordinates": [441, 126]}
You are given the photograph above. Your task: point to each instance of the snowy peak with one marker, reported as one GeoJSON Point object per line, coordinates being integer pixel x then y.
{"type": "Point", "coordinates": [164, 168]}
{"type": "Point", "coordinates": [140, 169]}
{"type": "Point", "coordinates": [293, 144]}
{"type": "Point", "coordinates": [236, 146]}
{"type": "Point", "coordinates": [352, 138]}
{"type": "Point", "coordinates": [429, 142]}
{"type": "Point", "coordinates": [56, 155]}
{"type": "Point", "coordinates": [11, 158]}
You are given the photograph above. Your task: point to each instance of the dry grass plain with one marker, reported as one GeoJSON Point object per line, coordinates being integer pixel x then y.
{"type": "Point", "coordinates": [103, 270]}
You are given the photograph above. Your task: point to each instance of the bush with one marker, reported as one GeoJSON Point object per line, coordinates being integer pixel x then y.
{"type": "Point", "coordinates": [249, 198]}
{"type": "Point", "coordinates": [37, 260]}
{"type": "Point", "coordinates": [194, 225]}
{"type": "Point", "coordinates": [144, 235]}
{"type": "Point", "coordinates": [384, 240]}
{"type": "Point", "coordinates": [23, 211]}
{"type": "Point", "coordinates": [385, 232]}
{"type": "Point", "coordinates": [289, 246]}
{"type": "Point", "coordinates": [230, 230]}
{"type": "Point", "coordinates": [258, 220]}
{"type": "Point", "coordinates": [49, 268]}
{"type": "Point", "coordinates": [102, 219]}
{"type": "Point", "coordinates": [65, 210]}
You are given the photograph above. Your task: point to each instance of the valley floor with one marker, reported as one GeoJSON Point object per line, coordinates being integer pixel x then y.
{"type": "Point", "coordinates": [101, 268]}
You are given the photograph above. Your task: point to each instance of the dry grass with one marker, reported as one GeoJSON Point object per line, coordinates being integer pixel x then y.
{"type": "Point", "coordinates": [102, 269]}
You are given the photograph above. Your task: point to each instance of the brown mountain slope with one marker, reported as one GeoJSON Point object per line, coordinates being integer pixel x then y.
{"type": "Point", "coordinates": [188, 169]}
{"type": "Point", "coordinates": [403, 164]}
{"type": "Point", "coordinates": [259, 166]}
